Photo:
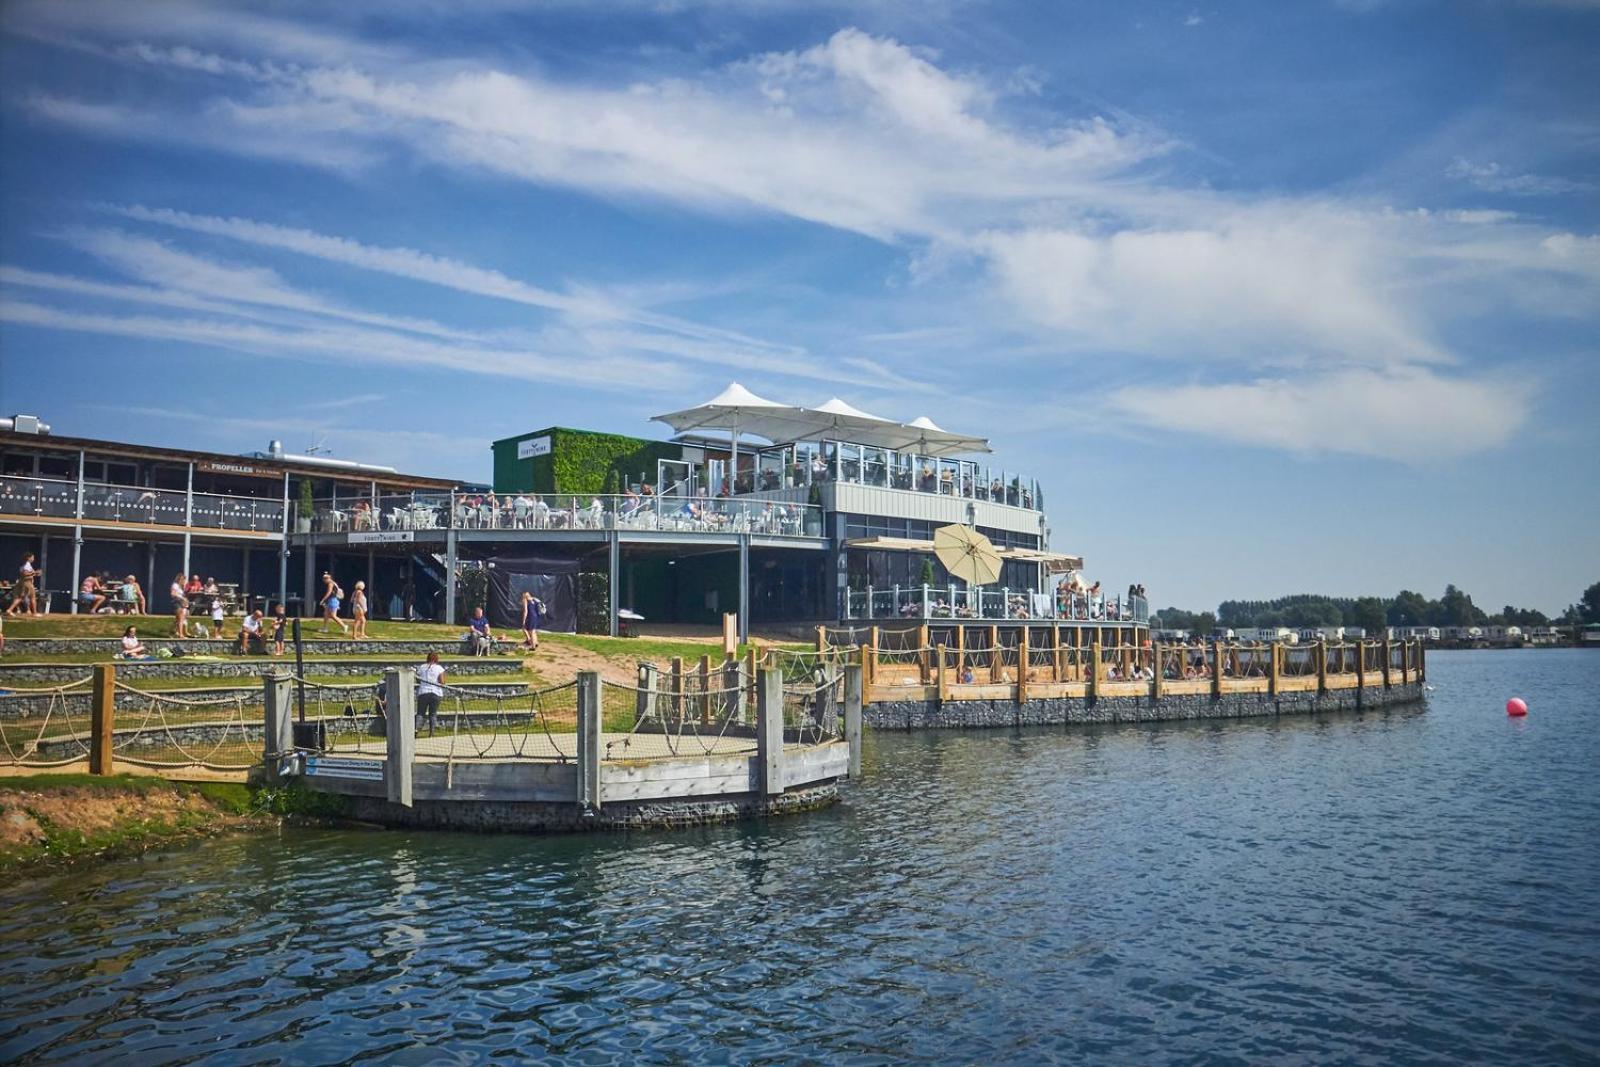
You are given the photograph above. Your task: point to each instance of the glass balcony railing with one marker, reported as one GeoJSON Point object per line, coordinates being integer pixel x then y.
{"type": "Point", "coordinates": [439, 511]}
{"type": "Point", "coordinates": [808, 463]}
{"type": "Point", "coordinates": [136, 505]}
{"type": "Point", "coordinates": [951, 602]}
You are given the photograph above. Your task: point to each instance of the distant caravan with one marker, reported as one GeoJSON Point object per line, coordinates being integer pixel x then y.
{"type": "Point", "coordinates": [1313, 634]}
{"type": "Point", "coordinates": [1412, 633]}
{"type": "Point", "coordinates": [1270, 635]}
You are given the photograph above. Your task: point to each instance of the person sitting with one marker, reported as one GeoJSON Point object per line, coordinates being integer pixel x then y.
{"type": "Point", "coordinates": [480, 636]}
{"type": "Point", "coordinates": [250, 633]}
{"type": "Point", "coordinates": [131, 648]}
{"type": "Point", "coordinates": [91, 594]}
{"type": "Point", "coordinates": [130, 597]}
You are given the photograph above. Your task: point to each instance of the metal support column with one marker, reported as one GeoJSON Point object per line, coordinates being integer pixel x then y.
{"type": "Point", "coordinates": [77, 540]}
{"type": "Point", "coordinates": [613, 580]}
{"type": "Point", "coordinates": [744, 588]}
{"type": "Point", "coordinates": [450, 577]}
{"type": "Point", "coordinates": [188, 516]}
{"type": "Point", "coordinates": [283, 547]}
{"type": "Point", "coordinates": [309, 593]}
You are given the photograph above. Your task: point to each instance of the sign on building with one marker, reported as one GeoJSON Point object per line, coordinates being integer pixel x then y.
{"type": "Point", "coordinates": [386, 537]}
{"type": "Point", "coordinates": [533, 446]}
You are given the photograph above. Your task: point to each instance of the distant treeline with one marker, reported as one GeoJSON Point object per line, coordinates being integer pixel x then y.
{"type": "Point", "coordinates": [1372, 613]}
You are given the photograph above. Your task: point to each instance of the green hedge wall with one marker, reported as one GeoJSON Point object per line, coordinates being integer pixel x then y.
{"type": "Point", "coordinates": [580, 461]}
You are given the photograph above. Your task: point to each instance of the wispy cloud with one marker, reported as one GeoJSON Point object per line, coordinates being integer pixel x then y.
{"type": "Point", "coordinates": [1493, 178]}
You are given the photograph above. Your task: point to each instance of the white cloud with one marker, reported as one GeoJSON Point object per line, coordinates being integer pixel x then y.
{"type": "Point", "coordinates": [1090, 249]}
{"type": "Point", "coordinates": [1493, 178]}
{"type": "Point", "coordinates": [1410, 414]}
{"type": "Point", "coordinates": [1252, 287]}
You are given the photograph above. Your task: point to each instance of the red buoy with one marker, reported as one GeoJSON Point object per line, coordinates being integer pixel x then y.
{"type": "Point", "coordinates": [1516, 707]}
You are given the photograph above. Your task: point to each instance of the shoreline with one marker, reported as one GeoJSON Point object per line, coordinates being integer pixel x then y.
{"type": "Point", "coordinates": [52, 822]}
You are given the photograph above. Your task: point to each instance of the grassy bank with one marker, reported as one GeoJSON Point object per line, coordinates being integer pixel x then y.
{"type": "Point", "coordinates": [53, 820]}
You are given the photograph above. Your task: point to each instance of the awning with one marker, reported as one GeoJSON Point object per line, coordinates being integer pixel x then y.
{"type": "Point", "coordinates": [1055, 562]}
{"type": "Point", "coordinates": [891, 544]}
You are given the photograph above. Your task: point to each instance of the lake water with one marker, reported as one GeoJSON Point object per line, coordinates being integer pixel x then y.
{"type": "Point", "coordinates": [1417, 885]}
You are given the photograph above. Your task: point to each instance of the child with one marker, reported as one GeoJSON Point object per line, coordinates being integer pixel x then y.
{"type": "Point", "coordinates": [280, 626]}
{"type": "Point", "coordinates": [218, 616]}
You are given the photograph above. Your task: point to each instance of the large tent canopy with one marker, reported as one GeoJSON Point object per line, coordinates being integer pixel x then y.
{"type": "Point", "coordinates": [740, 411]}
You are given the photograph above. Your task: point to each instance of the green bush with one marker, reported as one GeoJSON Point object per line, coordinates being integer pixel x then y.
{"type": "Point", "coordinates": [594, 603]}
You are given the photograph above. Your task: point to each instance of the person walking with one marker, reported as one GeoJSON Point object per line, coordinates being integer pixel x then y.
{"type": "Point", "coordinates": [180, 607]}
{"type": "Point", "coordinates": [358, 610]}
{"type": "Point", "coordinates": [430, 690]}
{"type": "Point", "coordinates": [26, 590]}
{"type": "Point", "coordinates": [331, 597]}
{"type": "Point", "coordinates": [532, 609]}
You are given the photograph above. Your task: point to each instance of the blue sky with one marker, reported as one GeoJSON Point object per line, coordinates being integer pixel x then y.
{"type": "Point", "coordinates": [1273, 297]}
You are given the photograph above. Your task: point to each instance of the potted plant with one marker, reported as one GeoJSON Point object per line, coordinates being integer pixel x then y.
{"type": "Point", "coordinates": [306, 508]}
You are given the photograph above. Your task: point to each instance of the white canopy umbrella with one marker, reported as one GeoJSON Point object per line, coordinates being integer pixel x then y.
{"type": "Point", "coordinates": [738, 410]}
{"type": "Point", "coordinates": [934, 441]}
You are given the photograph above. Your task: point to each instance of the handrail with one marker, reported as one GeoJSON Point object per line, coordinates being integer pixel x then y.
{"type": "Point", "coordinates": [927, 602]}
{"type": "Point", "coordinates": [569, 511]}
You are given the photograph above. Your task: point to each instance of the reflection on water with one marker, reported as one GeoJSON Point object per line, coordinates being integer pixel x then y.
{"type": "Point", "coordinates": [1407, 884]}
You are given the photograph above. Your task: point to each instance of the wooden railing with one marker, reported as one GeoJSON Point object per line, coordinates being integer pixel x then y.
{"type": "Point", "coordinates": [996, 667]}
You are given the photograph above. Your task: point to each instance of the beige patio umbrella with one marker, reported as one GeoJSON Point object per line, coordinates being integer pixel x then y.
{"type": "Point", "coordinates": [967, 554]}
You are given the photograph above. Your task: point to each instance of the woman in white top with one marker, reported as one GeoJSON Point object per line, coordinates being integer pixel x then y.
{"type": "Point", "coordinates": [358, 609]}
{"type": "Point", "coordinates": [180, 608]}
{"type": "Point", "coordinates": [130, 643]}
{"type": "Point", "coordinates": [430, 690]}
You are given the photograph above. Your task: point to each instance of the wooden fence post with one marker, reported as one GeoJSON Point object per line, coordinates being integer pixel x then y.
{"type": "Point", "coordinates": [1157, 682]}
{"type": "Point", "coordinates": [995, 674]}
{"type": "Point", "coordinates": [732, 690]}
{"type": "Point", "coordinates": [822, 639]}
{"type": "Point", "coordinates": [1275, 670]}
{"type": "Point", "coordinates": [590, 700]}
{"type": "Point", "coordinates": [102, 718]}
{"type": "Point", "coordinates": [1388, 658]}
{"type": "Point", "coordinates": [940, 675]}
{"type": "Point", "coordinates": [1094, 668]}
{"type": "Point", "coordinates": [852, 716]}
{"type": "Point", "coordinates": [400, 733]}
{"type": "Point", "coordinates": [769, 732]}
{"type": "Point", "coordinates": [1022, 666]}
{"type": "Point", "coordinates": [675, 706]}
{"type": "Point", "coordinates": [1322, 665]}
{"type": "Point", "coordinates": [705, 690]}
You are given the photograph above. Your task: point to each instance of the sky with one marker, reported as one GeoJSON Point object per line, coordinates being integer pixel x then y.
{"type": "Point", "coordinates": [1273, 298]}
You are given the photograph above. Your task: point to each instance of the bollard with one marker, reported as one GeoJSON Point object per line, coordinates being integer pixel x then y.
{"type": "Point", "coordinates": [769, 731]}
{"type": "Point", "coordinates": [102, 717]}
{"type": "Point", "coordinates": [278, 705]}
{"type": "Point", "coordinates": [644, 701]}
{"type": "Point", "coordinates": [590, 696]}
{"type": "Point", "coordinates": [852, 716]}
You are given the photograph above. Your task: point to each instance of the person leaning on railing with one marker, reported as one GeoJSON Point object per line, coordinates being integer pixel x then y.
{"type": "Point", "coordinates": [430, 690]}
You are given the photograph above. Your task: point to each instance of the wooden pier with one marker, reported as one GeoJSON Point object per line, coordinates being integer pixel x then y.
{"type": "Point", "coordinates": [1030, 665]}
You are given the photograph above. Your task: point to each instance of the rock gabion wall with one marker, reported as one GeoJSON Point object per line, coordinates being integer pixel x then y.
{"type": "Point", "coordinates": [961, 714]}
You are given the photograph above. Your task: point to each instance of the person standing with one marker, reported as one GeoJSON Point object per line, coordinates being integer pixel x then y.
{"type": "Point", "coordinates": [280, 629]}
{"type": "Point", "coordinates": [430, 690]}
{"type": "Point", "coordinates": [331, 596]}
{"type": "Point", "coordinates": [180, 607]}
{"type": "Point", "coordinates": [25, 593]}
{"type": "Point", "coordinates": [532, 609]}
{"type": "Point", "coordinates": [358, 610]}
{"type": "Point", "coordinates": [219, 616]}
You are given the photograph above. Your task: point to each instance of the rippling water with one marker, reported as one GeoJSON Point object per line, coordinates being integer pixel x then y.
{"type": "Point", "coordinates": [1414, 885]}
